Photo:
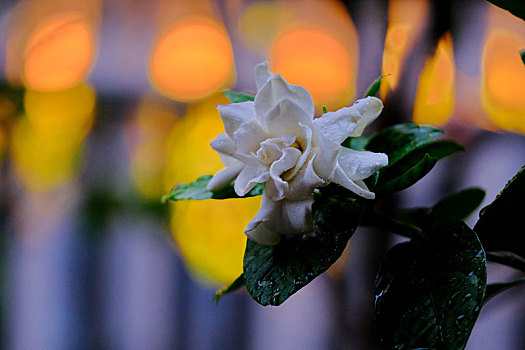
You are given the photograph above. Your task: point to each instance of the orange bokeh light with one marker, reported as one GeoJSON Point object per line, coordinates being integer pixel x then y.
{"type": "Point", "coordinates": [406, 19]}
{"type": "Point", "coordinates": [192, 60]}
{"type": "Point", "coordinates": [314, 58]}
{"type": "Point", "coordinates": [502, 71]}
{"type": "Point", "coordinates": [435, 100]}
{"type": "Point", "coordinates": [59, 54]}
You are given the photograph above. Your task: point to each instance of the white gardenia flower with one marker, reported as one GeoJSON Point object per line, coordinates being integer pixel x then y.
{"type": "Point", "coordinates": [275, 140]}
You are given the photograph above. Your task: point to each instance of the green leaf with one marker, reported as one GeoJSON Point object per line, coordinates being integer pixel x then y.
{"type": "Point", "coordinates": [273, 273]}
{"type": "Point", "coordinates": [495, 288]}
{"type": "Point", "coordinates": [457, 207]}
{"type": "Point", "coordinates": [358, 143]}
{"type": "Point", "coordinates": [429, 291]}
{"type": "Point", "coordinates": [399, 140]}
{"type": "Point", "coordinates": [500, 226]}
{"type": "Point", "coordinates": [374, 87]}
{"type": "Point", "coordinates": [325, 110]}
{"type": "Point", "coordinates": [236, 97]}
{"type": "Point", "coordinates": [522, 54]}
{"type": "Point", "coordinates": [414, 165]}
{"type": "Point", "coordinates": [407, 179]}
{"type": "Point", "coordinates": [516, 7]}
{"type": "Point", "coordinates": [197, 190]}
{"type": "Point", "coordinates": [234, 286]}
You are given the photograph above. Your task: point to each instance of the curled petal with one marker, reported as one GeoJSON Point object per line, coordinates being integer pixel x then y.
{"type": "Point", "coordinates": [280, 217]}
{"type": "Point", "coordinates": [354, 166]}
{"type": "Point", "coordinates": [304, 182]}
{"type": "Point", "coordinates": [225, 176]}
{"type": "Point", "coordinates": [248, 137]}
{"type": "Point", "coordinates": [338, 125]}
{"type": "Point", "coordinates": [305, 140]}
{"type": "Point", "coordinates": [278, 188]}
{"type": "Point", "coordinates": [326, 155]}
{"type": "Point", "coordinates": [358, 187]}
{"type": "Point", "coordinates": [277, 89]}
{"type": "Point", "coordinates": [223, 144]}
{"type": "Point", "coordinates": [369, 108]}
{"type": "Point", "coordinates": [285, 117]}
{"type": "Point", "coordinates": [262, 74]}
{"type": "Point", "coordinates": [250, 176]}
{"type": "Point", "coordinates": [236, 114]}
{"type": "Point", "coordinates": [359, 165]}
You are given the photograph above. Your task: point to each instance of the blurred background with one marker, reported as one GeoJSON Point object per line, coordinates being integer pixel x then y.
{"type": "Point", "coordinates": [106, 104]}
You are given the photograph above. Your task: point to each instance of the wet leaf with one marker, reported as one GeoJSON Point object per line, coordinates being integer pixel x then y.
{"type": "Point", "coordinates": [234, 286]}
{"type": "Point", "coordinates": [399, 140]}
{"type": "Point", "coordinates": [457, 207]}
{"type": "Point", "coordinates": [236, 97]}
{"type": "Point", "coordinates": [197, 190]}
{"type": "Point", "coordinates": [374, 87]}
{"type": "Point", "coordinates": [413, 166]}
{"type": "Point", "coordinates": [500, 226]}
{"type": "Point", "coordinates": [274, 273]}
{"type": "Point", "coordinates": [429, 291]}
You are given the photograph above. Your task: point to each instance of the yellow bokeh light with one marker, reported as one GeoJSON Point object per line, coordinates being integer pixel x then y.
{"type": "Point", "coordinates": [192, 60]}
{"type": "Point", "coordinates": [260, 24]}
{"type": "Point", "coordinates": [65, 114]}
{"type": "Point", "coordinates": [60, 53]}
{"type": "Point", "coordinates": [503, 80]}
{"type": "Point", "coordinates": [313, 57]}
{"type": "Point", "coordinates": [405, 22]}
{"type": "Point", "coordinates": [435, 99]}
{"type": "Point", "coordinates": [209, 234]}
{"type": "Point", "coordinates": [147, 136]}
{"type": "Point", "coordinates": [45, 143]}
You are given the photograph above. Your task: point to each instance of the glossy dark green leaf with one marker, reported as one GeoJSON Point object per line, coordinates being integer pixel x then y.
{"type": "Point", "coordinates": [407, 179]}
{"type": "Point", "coordinates": [374, 87]}
{"type": "Point", "coordinates": [357, 143]}
{"type": "Point", "coordinates": [197, 190]}
{"type": "Point", "coordinates": [501, 225]}
{"type": "Point", "coordinates": [494, 289]}
{"type": "Point", "coordinates": [234, 286]}
{"type": "Point", "coordinates": [414, 166]}
{"type": "Point", "coordinates": [516, 7]}
{"type": "Point", "coordinates": [273, 273]}
{"type": "Point", "coordinates": [236, 97]}
{"type": "Point", "coordinates": [399, 140]}
{"type": "Point", "coordinates": [458, 206]}
{"type": "Point", "coordinates": [429, 291]}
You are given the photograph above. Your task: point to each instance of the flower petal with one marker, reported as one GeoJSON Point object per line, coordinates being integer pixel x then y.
{"type": "Point", "coordinates": [280, 217]}
{"type": "Point", "coordinates": [235, 114]}
{"type": "Point", "coordinates": [250, 176]}
{"type": "Point", "coordinates": [358, 187]}
{"type": "Point", "coordinates": [338, 125]}
{"type": "Point", "coordinates": [223, 144]}
{"type": "Point", "coordinates": [303, 183]}
{"type": "Point", "coordinates": [277, 188]}
{"type": "Point", "coordinates": [354, 166]}
{"type": "Point", "coordinates": [369, 108]}
{"type": "Point", "coordinates": [326, 155]}
{"type": "Point", "coordinates": [225, 176]}
{"type": "Point", "coordinates": [262, 74]}
{"type": "Point", "coordinates": [285, 117]}
{"type": "Point", "coordinates": [359, 165]}
{"type": "Point", "coordinates": [277, 89]}
{"type": "Point", "coordinates": [248, 137]}
{"type": "Point", "coordinates": [305, 141]}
